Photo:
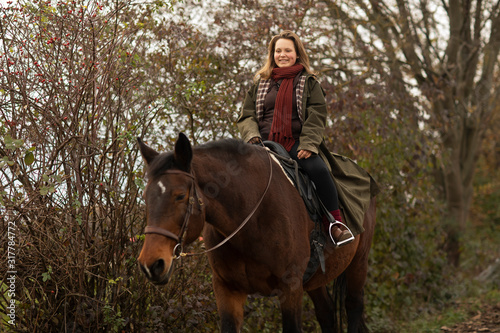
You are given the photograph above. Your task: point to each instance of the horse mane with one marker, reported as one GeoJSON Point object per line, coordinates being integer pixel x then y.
{"type": "Point", "coordinates": [223, 149]}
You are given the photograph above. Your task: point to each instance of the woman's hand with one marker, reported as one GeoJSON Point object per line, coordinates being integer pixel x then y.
{"type": "Point", "coordinates": [255, 140]}
{"type": "Point", "coordinates": [304, 154]}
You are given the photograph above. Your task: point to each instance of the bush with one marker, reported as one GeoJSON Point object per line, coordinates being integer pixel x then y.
{"type": "Point", "coordinates": [71, 177]}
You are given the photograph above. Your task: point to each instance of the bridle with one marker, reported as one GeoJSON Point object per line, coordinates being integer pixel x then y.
{"type": "Point", "coordinates": [193, 197]}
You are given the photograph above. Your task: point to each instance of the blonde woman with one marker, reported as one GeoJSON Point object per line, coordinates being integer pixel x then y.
{"type": "Point", "coordinates": [286, 104]}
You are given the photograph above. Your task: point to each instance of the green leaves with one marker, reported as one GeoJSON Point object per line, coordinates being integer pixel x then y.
{"type": "Point", "coordinates": [6, 160]}
{"type": "Point", "coordinates": [11, 143]}
{"type": "Point", "coordinates": [50, 182]}
{"type": "Point", "coordinates": [46, 276]}
{"type": "Point", "coordinates": [29, 157]}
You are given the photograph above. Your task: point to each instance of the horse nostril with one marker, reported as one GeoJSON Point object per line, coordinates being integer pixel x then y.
{"type": "Point", "coordinates": [145, 270]}
{"type": "Point", "coordinates": [157, 268]}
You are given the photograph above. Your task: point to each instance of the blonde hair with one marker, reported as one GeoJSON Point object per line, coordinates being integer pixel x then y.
{"type": "Point", "coordinates": [265, 72]}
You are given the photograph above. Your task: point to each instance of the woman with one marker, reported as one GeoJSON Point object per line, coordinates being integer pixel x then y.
{"type": "Point", "coordinates": [287, 105]}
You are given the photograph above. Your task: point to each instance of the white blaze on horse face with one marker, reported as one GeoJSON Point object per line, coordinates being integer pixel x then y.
{"type": "Point", "coordinates": [162, 187]}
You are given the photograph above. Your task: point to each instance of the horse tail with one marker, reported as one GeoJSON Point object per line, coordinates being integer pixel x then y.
{"type": "Point", "coordinates": [362, 325]}
{"type": "Point", "coordinates": [338, 298]}
{"type": "Point", "coordinates": [339, 289]}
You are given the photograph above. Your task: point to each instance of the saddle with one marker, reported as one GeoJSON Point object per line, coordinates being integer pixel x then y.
{"type": "Point", "coordinates": [315, 207]}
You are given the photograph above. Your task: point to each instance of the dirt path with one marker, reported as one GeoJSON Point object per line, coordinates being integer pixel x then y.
{"type": "Point", "coordinates": [485, 320]}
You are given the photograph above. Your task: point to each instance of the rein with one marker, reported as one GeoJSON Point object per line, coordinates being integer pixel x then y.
{"type": "Point", "coordinates": [178, 253]}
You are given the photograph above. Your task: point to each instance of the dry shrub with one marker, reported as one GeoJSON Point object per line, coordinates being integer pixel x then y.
{"type": "Point", "coordinates": [72, 100]}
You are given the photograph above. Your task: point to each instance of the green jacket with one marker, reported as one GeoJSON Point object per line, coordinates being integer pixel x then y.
{"type": "Point", "coordinates": [355, 186]}
{"type": "Point", "coordinates": [312, 113]}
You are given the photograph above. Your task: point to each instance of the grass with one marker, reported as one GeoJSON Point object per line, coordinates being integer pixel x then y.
{"type": "Point", "coordinates": [462, 310]}
{"type": "Point", "coordinates": [471, 296]}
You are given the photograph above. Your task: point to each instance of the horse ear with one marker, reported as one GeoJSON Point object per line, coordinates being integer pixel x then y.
{"type": "Point", "coordinates": [183, 154]}
{"type": "Point", "coordinates": [148, 154]}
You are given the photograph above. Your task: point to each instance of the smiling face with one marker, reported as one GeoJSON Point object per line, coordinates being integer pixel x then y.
{"type": "Point", "coordinates": [285, 54]}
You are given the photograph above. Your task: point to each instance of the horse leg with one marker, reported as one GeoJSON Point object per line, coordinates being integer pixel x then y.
{"type": "Point", "coordinates": [324, 309]}
{"type": "Point", "coordinates": [291, 311]}
{"type": "Point", "coordinates": [230, 306]}
{"type": "Point", "coordinates": [356, 275]}
{"type": "Point", "coordinates": [354, 308]}
{"type": "Point", "coordinates": [354, 301]}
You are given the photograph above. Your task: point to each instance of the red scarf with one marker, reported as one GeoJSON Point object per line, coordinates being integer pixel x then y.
{"type": "Point", "coordinates": [281, 128]}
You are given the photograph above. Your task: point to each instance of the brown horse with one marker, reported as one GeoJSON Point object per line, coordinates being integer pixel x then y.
{"type": "Point", "coordinates": [220, 185]}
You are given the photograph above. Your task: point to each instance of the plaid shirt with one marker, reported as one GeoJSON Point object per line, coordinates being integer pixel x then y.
{"type": "Point", "coordinates": [262, 92]}
{"type": "Point", "coordinates": [311, 110]}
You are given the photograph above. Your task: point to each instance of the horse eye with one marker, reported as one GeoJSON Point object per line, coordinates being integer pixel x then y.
{"type": "Point", "coordinates": [180, 197]}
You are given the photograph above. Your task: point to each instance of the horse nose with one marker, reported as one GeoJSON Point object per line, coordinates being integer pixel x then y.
{"type": "Point", "coordinates": [157, 268]}
{"type": "Point", "coordinates": [155, 271]}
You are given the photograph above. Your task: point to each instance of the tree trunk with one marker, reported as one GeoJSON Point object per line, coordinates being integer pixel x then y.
{"type": "Point", "coordinates": [457, 80]}
{"type": "Point", "coordinates": [462, 138]}
{"type": "Point", "coordinates": [454, 219]}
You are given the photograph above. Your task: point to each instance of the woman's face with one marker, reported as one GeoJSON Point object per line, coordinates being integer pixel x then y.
{"type": "Point", "coordinates": [284, 53]}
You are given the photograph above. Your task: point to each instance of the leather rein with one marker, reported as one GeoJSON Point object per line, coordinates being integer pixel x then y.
{"type": "Point", "coordinates": [193, 197]}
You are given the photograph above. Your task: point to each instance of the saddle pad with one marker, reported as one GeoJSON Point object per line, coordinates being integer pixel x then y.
{"type": "Point", "coordinates": [300, 180]}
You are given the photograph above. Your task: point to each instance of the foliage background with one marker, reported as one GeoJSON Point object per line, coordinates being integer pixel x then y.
{"type": "Point", "coordinates": [80, 80]}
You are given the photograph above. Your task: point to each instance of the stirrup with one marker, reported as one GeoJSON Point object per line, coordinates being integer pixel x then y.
{"type": "Point", "coordinates": [345, 241]}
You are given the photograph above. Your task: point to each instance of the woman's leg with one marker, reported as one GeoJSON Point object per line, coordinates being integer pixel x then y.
{"type": "Point", "coordinates": [319, 173]}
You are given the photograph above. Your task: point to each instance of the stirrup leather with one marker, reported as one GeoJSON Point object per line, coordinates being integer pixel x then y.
{"type": "Point", "coordinates": [345, 241]}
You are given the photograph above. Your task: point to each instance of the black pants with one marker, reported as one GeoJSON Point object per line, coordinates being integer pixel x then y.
{"type": "Point", "coordinates": [318, 172]}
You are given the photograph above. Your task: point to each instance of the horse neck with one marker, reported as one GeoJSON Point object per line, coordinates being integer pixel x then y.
{"type": "Point", "coordinates": [231, 184]}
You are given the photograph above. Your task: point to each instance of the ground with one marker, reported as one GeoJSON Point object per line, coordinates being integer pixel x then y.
{"type": "Point", "coordinates": [487, 319]}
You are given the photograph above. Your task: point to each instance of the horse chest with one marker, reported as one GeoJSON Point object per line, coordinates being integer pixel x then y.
{"type": "Point", "coordinates": [252, 276]}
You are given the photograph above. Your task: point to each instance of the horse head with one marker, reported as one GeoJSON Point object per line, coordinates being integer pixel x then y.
{"type": "Point", "coordinates": [175, 212]}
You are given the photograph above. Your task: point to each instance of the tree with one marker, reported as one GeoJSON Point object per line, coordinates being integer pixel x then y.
{"type": "Point", "coordinates": [373, 118]}
{"type": "Point", "coordinates": [449, 51]}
